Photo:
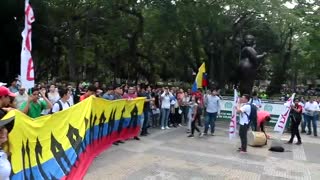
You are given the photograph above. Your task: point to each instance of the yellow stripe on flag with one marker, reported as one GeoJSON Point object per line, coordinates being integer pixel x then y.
{"type": "Point", "coordinates": [199, 77]}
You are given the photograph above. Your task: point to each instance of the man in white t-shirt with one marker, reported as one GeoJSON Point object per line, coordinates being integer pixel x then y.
{"type": "Point", "coordinates": [212, 103]}
{"type": "Point", "coordinates": [256, 100]}
{"type": "Point", "coordinates": [63, 103]}
{"type": "Point", "coordinates": [244, 110]}
{"type": "Point", "coordinates": [21, 96]}
{"type": "Point", "coordinates": [311, 111]}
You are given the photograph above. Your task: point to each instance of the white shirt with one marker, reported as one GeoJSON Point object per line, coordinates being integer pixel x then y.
{"type": "Point", "coordinates": [70, 100]}
{"type": "Point", "coordinates": [165, 103]}
{"type": "Point", "coordinates": [310, 108]}
{"type": "Point", "coordinates": [56, 107]}
{"type": "Point", "coordinates": [245, 112]}
{"type": "Point", "coordinates": [5, 166]}
{"type": "Point", "coordinates": [213, 104]}
{"type": "Point", "coordinates": [256, 102]}
{"type": "Point", "coordinates": [21, 98]}
{"type": "Point", "coordinates": [53, 97]}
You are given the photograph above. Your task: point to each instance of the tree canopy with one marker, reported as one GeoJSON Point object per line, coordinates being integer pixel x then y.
{"type": "Point", "coordinates": [164, 39]}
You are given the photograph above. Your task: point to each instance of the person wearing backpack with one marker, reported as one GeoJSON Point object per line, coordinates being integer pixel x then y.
{"type": "Point", "coordinates": [62, 103]}
{"type": "Point", "coordinates": [244, 110]}
{"type": "Point", "coordinates": [255, 100]}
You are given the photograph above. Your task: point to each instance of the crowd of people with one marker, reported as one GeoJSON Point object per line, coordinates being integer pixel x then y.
{"type": "Point", "coordinates": [164, 108]}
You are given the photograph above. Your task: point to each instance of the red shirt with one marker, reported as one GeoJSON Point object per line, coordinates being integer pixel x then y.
{"type": "Point", "coordinates": [180, 97]}
{"type": "Point", "coordinates": [262, 116]}
{"type": "Point", "coordinates": [129, 96]}
{"type": "Point", "coordinates": [83, 97]}
{"type": "Point", "coordinates": [198, 95]}
{"type": "Point", "coordinates": [299, 107]}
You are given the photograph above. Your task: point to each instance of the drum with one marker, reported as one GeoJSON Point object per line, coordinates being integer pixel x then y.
{"type": "Point", "coordinates": [256, 139]}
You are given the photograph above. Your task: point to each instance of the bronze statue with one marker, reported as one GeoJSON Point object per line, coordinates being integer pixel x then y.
{"type": "Point", "coordinates": [248, 65]}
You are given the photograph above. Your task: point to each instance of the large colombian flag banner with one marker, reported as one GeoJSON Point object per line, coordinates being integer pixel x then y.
{"type": "Point", "coordinates": [63, 145]}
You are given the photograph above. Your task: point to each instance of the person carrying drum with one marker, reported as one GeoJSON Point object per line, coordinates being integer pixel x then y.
{"type": "Point", "coordinates": [262, 118]}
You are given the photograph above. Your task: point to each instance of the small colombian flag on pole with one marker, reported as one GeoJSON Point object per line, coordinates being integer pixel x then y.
{"type": "Point", "coordinates": [201, 78]}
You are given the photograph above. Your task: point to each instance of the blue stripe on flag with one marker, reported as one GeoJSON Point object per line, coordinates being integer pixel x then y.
{"type": "Point", "coordinates": [194, 87]}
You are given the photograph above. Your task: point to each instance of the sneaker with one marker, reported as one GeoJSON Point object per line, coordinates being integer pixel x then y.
{"type": "Point", "coordinates": [162, 128]}
{"type": "Point", "coordinates": [120, 142]}
{"type": "Point", "coordinates": [205, 134]}
{"type": "Point", "coordinates": [191, 136]}
{"type": "Point", "coordinates": [167, 127]}
{"type": "Point", "coordinates": [136, 138]}
{"type": "Point", "coordinates": [289, 142]}
{"type": "Point", "coordinates": [299, 143]}
{"type": "Point", "coordinates": [303, 132]}
{"type": "Point", "coordinates": [243, 152]}
{"type": "Point", "coordinates": [212, 134]}
{"type": "Point", "coordinates": [179, 125]}
{"type": "Point", "coordinates": [309, 133]}
{"type": "Point", "coordinates": [200, 134]}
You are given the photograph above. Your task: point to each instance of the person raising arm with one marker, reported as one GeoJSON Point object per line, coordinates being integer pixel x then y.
{"type": "Point", "coordinates": [33, 106]}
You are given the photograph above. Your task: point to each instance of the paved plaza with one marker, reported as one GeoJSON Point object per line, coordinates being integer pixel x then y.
{"type": "Point", "coordinates": [169, 154]}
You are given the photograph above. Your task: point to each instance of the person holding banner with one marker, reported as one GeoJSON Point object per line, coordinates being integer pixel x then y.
{"type": "Point", "coordinates": [5, 166]}
{"type": "Point", "coordinates": [5, 127]}
{"type": "Point", "coordinates": [130, 96]}
{"type": "Point", "coordinates": [244, 110]}
{"type": "Point", "coordinates": [92, 90]}
{"type": "Point", "coordinates": [295, 116]}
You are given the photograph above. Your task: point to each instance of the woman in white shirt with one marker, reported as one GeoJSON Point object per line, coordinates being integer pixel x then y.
{"type": "Point", "coordinates": [53, 94]}
{"type": "Point", "coordinates": [165, 108]}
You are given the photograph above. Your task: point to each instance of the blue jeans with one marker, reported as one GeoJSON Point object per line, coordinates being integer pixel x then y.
{"type": "Point", "coordinates": [304, 123]}
{"type": "Point", "coordinates": [314, 120]}
{"type": "Point", "coordinates": [185, 111]}
{"type": "Point", "coordinates": [164, 117]}
{"type": "Point", "coordinates": [145, 122]}
{"type": "Point", "coordinates": [210, 119]}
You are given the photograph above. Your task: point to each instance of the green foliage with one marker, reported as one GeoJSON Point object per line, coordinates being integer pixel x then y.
{"type": "Point", "coordinates": [169, 39]}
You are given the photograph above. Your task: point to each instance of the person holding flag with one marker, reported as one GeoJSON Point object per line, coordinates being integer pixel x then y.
{"type": "Point", "coordinates": [244, 109]}
{"type": "Point", "coordinates": [233, 122]}
{"type": "Point", "coordinates": [199, 83]}
{"type": "Point", "coordinates": [201, 79]}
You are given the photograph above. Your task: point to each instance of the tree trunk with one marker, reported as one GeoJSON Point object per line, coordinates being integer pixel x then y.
{"type": "Point", "coordinates": [280, 73]}
{"type": "Point", "coordinates": [71, 55]}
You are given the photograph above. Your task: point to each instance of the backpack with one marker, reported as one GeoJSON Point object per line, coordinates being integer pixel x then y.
{"type": "Point", "coordinates": [276, 149]}
{"type": "Point", "coordinates": [253, 116]}
{"type": "Point", "coordinates": [60, 106]}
